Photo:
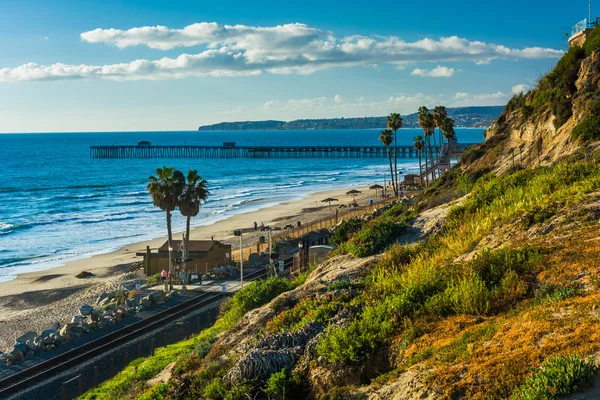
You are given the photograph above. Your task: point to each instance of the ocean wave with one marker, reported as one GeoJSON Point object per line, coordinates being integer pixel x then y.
{"type": "Point", "coordinates": [5, 228]}
{"type": "Point", "coordinates": [326, 180]}
{"type": "Point", "coordinates": [99, 221]}
{"type": "Point", "coordinates": [77, 197]}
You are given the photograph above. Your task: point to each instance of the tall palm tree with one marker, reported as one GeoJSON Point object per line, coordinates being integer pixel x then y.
{"type": "Point", "coordinates": [165, 189]}
{"type": "Point", "coordinates": [448, 128]}
{"type": "Point", "coordinates": [439, 115]}
{"type": "Point", "coordinates": [395, 122]}
{"type": "Point", "coordinates": [193, 194]}
{"type": "Point", "coordinates": [427, 123]}
{"type": "Point", "coordinates": [386, 139]}
{"type": "Point", "coordinates": [419, 145]}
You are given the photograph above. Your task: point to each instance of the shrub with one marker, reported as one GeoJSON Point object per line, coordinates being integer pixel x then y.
{"type": "Point", "coordinates": [254, 295]}
{"type": "Point", "coordinates": [469, 296]}
{"type": "Point", "coordinates": [357, 341]}
{"type": "Point", "coordinates": [588, 129]}
{"type": "Point", "coordinates": [345, 231]}
{"type": "Point", "coordinates": [592, 42]}
{"type": "Point", "coordinates": [153, 279]}
{"type": "Point", "coordinates": [285, 386]}
{"type": "Point", "coordinates": [558, 376]}
{"type": "Point", "coordinates": [156, 392]}
{"type": "Point", "coordinates": [306, 311]}
{"type": "Point", "coordinates": [339, 284]}
{"type": "Point", "coordinates": [373, 237]}
{"type": "Point", "coordinates": [550, 293]}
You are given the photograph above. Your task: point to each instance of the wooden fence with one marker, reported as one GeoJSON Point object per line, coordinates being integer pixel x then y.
{"type": "Point", "coordinates": [329, 222]}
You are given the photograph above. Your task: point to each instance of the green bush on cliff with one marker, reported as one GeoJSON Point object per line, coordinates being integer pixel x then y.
{"type": "Point", "coordinates": [374, 236]}
{"type": "Point", "coordinates": [592, 42]}
{"type": "Point", "coordinates": [557, 377]}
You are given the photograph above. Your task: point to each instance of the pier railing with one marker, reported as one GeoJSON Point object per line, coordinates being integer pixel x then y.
{"type": "Point", "coordinates": [189, 151]}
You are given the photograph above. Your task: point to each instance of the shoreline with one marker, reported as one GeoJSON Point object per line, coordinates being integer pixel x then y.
{"type": "Point", "coordinates": [33, 301]}
{"type": "Point", "coordinates": [271, 214]}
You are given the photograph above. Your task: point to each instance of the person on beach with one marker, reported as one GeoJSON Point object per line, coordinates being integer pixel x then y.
{"type": "Point", "coordinates": [163, 275]}
{"type": "Point", "coordinates": [255, 226]}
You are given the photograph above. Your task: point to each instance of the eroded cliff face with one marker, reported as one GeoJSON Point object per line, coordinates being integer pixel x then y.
{"type": "Point", "coordinates": [528, 135]}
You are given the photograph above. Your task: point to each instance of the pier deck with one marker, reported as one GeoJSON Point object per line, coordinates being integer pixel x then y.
{"type": "Point", "coordinates": [190, 151]}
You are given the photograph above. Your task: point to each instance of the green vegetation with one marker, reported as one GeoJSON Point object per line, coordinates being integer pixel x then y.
{"type": "Point", "coordinates": [308, 310]}
{"type": "Point", "coordinates": [153, 279]}
{"type": "Point", "coordinates": [345, 231]}
{"type": "Point", "coordinates": [558, 376]}
{"type": "Point", "coordinates": [423, 280]}
{"type": "Point", "coordinates": [133, 377]}
{"type": "Point", "coordinates": [284, 385]}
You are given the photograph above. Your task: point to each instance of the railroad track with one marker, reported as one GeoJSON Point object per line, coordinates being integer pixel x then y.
{"type": "Point", "coordinates": [46, 369]}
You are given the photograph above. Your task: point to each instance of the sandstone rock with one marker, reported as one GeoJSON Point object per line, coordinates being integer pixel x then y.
{"type": "Point", "coordinates": [77, 319]}
{"type": "Point", "coordinates": [86, 309]}
{"type": "Point", "coordinates": [27, 336]}
{"type": "Point", "coordinates": [31, 345]}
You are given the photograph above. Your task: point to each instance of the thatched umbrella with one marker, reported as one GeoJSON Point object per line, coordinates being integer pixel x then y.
{"type": "Point", "coordinates": [329, 200]}
{"type": "Point", "coordinates": [376, 188]}
{"type": "Point", "coordinates": [353, 193]}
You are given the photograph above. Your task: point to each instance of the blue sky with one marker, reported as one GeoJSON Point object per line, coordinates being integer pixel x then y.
{"type": "Point", "coordinates": [105, 66]}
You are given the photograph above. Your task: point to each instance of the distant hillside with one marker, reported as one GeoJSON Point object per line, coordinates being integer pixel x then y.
{"type": "Point", "coordinates": [466, 117]}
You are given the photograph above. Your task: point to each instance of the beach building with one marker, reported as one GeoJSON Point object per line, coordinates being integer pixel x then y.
{"type": "Point", "coordinates": [205, 255]}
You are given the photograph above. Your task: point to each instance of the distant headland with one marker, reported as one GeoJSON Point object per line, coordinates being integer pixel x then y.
{"type": "Point", "coordinates": [464, 117]}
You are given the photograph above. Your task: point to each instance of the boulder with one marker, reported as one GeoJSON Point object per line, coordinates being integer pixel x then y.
{"type": "Point", "coordinates": [27, 336]}
{"type": "Point", "coordinates": [77, 319]}
{"type": "Point", "coordinates": [157, 297]}
{"type": "Point", "coordinates": [86, 309]}
{"type": "Point", "coordinates": [29, 354]}
{"type": "Point", "coordinates": [48, 340]}
{"type": "Point", "coordinates": [47, 332]}
{"type": "Point", "coordinates": [55, 326]}
{"type": "Point", "coordinates": [16, 356]}
{"type": "Point", "coordinates": [101, 297]}
{"type": "Point", "coordinates": [104, 302]}
{"type": "Point", "coordinates": [22, 347]}
{"type": "Point", "coordinates": [31, 345]}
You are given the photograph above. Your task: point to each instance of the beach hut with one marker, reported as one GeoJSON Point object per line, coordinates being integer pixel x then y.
{"type": "Point", "coordinates": [205, 255]}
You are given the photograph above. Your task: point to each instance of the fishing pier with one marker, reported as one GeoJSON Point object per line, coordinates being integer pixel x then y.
{"type": "Point", "coordinates": [230, 150]}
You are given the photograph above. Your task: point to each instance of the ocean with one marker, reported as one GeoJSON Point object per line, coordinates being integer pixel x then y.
{"type": "Point", "coordinates": [58, 205]}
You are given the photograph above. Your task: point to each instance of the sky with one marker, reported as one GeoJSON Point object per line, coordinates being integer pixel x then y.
{"type": "Point", "coordinates": [90, 65]}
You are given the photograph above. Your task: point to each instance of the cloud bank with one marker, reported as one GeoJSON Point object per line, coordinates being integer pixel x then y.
{"type": "Point", "coordinates": [241, 50]}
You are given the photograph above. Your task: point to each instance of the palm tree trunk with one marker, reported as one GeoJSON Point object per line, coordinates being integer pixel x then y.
{"type": "Point", "coordinates": [391, 170]}
{"type": "Point", "coordinates": [430, 155]}
{"type": "Point", "coordinates": [420, 167]}
{"type": "Point", "coordinates": [187, 241]}
{"type": "Point", "coordinates": [170, 241]}
{"type": "Point", "coordinates": [396, 162]}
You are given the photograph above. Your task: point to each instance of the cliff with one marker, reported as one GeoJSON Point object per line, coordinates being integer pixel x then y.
{"type": "Point", "coordinates": [557, 118]}
{"type": "Point", "coordinates": [464, 117]}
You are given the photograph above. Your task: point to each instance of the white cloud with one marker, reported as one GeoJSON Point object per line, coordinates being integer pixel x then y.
{"type": "Point", "coordinates": [482, 99]}
{"type": "Point", "coordinates": [520, 88]}
{"type": "Point", "coordinates": [337, 98]}
{"type": "Point", "coordinates": [437, 72]}
{"type": "Point", "coordinates": [241, 50]}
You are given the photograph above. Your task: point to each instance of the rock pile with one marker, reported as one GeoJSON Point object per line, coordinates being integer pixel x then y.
{"type": "Point", "coordinates": [111, 308]}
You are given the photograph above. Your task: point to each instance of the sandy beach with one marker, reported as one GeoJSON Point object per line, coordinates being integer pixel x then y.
{"type": "Point", "coordinates": [35, 300]}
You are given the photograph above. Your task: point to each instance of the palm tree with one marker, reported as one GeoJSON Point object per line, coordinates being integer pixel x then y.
{"type": "Point", "coordinates": [395, 122]}
{"type": "Point", "coordinates": [193, 194]}
{"type": "Point", "coordinates": [448, 128]}
{"type": "Point", "coordinates": [386, 138]}
{"type": "Point", "coordinates": [419, 145]}
{"type": "Point", "coordinates": [165, 189]}
{"type": "Point", "coordinates": [427, 123]}
{"type": "Point", "coordinates": [439, 115]}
